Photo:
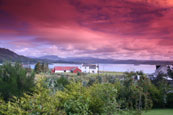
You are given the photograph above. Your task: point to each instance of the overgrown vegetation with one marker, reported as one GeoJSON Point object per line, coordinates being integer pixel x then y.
{"type": "Point", "coordinates": [82, 95]}
{"type": "Point", "coordinates": [14, 80]}
{"type": "Point", "coordinates": [41, 67]}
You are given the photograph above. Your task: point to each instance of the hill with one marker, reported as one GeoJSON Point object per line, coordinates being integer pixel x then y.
{"type": "Point", "coordinates": [50, 57]}
{"type": "Point", "coordinates": [105, 61]}
{"type": "Point", "coordinates": [7, 55]}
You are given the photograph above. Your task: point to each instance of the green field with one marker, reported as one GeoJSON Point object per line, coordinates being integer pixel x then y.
{"type": "Point", "coordinates": [159, 112]}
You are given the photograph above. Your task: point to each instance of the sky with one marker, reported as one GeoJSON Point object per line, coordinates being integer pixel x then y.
{"type": "Point", "coordinates": [118, 29]}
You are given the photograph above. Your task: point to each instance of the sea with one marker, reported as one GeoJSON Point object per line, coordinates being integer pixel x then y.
{"type": "Point", "coordinates": [148, 69]}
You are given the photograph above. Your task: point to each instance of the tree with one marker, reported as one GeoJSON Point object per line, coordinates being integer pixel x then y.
{"type": "Point", "coordinates": [44, 67]}
{"type": "Point", "coordinates": [162, 85]}
{"type": "Point", "coordinates": [14, 80]}
{"type": "Point", "coordinates": [41, 67]}
{"type": "Point", "coordinates": [38, 68]}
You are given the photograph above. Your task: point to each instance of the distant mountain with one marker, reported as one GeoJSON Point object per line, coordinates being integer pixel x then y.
{"type": "Point", "coordinates": [114, 61]}
{"type": "Point", "coordinates": [88, 60]}
{"type": "Point", "coordinates": [50, 57]}
{"type": "Point", "coordinates": [7, 55]}
{"type": "Point", "coordinates": [106, 61]}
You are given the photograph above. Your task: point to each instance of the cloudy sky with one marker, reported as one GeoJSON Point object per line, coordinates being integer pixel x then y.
{"type": "Point", "coordinates": [119, 29]}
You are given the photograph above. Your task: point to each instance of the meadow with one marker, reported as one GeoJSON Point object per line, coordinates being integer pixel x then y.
{"type": "Point", "coordinates": [159, 112]}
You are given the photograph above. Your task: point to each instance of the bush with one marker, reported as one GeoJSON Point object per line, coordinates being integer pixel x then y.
{"type": "Point", "coordinates": [14, 80]}
{"type": "Point", "coordinates": [127, 96]}
{"type": "Point", "coordinates": [62, 82]}
{"type": "Point", "coordinates": [103, 99]}
{"type": "Point", "coordinates": [133, 94]}
{"type": "Point", "coordinates": [56, 84]}
{"type": "Point", "coordinates": [74, 100]}
{"type": "Point", "coordinates": [96, 99]}
{"type": "Point", "coordinates": [162, 86]}
{"type": "Point", "coordinates": [40, 102]}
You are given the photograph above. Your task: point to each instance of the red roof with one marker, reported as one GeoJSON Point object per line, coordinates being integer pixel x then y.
{"type": "Point", "coordinates": [64, 68]}
{"type": "Point", "coordinates": [76, 70]}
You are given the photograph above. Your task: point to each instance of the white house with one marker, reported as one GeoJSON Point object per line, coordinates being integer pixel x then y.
{"type": "Point", "coordinates": [90, 68]}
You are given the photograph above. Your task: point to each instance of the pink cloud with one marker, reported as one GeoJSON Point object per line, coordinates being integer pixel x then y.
{"type": "Point", "coordinates": [115, 28]}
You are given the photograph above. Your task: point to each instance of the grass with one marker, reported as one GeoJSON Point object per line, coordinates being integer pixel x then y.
{"type": "Point", "coordinates": [101, 73]}
{"type": "Point", "coordinates": [159, 112]}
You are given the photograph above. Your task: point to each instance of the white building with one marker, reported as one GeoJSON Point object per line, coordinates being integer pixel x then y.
{"type": "Point", "coordinates": [89, 68]}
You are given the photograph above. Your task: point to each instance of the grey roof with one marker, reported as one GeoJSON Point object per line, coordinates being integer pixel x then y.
{"type": "Point", "coordinates": [91, 66]}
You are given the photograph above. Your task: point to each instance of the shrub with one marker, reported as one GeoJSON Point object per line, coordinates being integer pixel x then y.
{"type": "Point", "coordinates": [91, 81]}
{"type": "Point", "coordinates": [15, 80]}
{"type": "Point", "coordinates": [103, 99]}
{"type": "Point", "coordinates": [96, 99]}
{"type": "Point", "coordinates": [40, 102]}
{"type": "Point", "coordinates": [127, 96]}
{"type": "Point", "coordinates": [75, 99]}
{"type": "Point", "coordinates": [133, 95]}
{"type": "Point", "coordinates": [163, 87]}
{"type": "Point", "coordinates": [56, 83]}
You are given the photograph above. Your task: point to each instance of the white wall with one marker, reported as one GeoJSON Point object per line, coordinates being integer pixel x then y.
{"type": "Point", "coordinates": [61, 71]}
{"type": "Point", "coordinates": [86, 69]}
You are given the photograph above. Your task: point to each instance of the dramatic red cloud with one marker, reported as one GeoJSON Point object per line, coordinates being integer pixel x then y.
{"type": "Point", "coordinates": [120, 29]}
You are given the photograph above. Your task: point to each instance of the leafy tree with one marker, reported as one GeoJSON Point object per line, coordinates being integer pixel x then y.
{"type": "Point", "coordinates": [162, 86]}
{"type": "Point", "coordinates": [44, 67]}
{"type": "Point", "coordinates": [41, 102]}
{"type": "Point", "coordinates": [132, 93]}
{"type": "Point", "coordinates": [38, 68]}
{"type": "Point", "coordinates": [41, 67]}
{"type": "Point", "coordinates": [14, 80]}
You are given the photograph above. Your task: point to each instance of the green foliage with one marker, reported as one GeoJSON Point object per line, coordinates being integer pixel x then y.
{"type": "Point", "coordinates": [41, 67]}
{"type": "Point", "coordinates": [96, 99]}
{"type": "Point", "coordinates": [40, 102]}
{"type": "Point", "coordinates": [91, 81]}
{"type": "Point", "coordinates": [170, 100]}
{"type": "Point", "coordinates": [75, 100]}
{"type": "Point", "coordinates": [14, 80]}
{"type": "Point", "coordinates": [134, 94]}
{"type": "Point", "coordinates": [56, 84]}
{"type": "Point", "coordinates": [87, 96]}
{"type": "Point", "coordinates": [103, 99]}
{"type": "Point", "coordinates": [44, 67]}
{"type": "Point", "coordinates": [37, 68]}
{"type": "Point", "coordinates": [62, 82]}
{"type": "Point", "coordinates": [162, 86]}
